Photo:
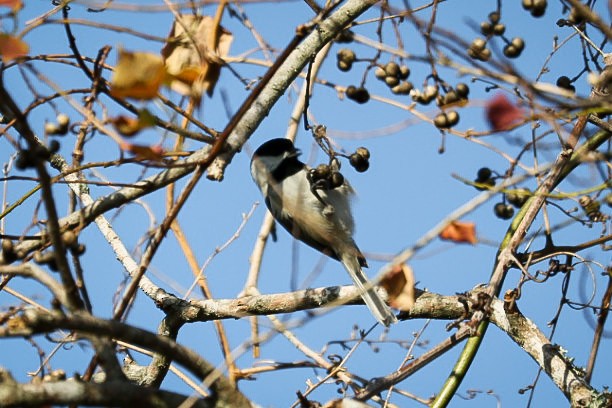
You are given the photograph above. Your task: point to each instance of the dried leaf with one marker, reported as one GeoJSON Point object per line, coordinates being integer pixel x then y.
{"type": "Point", "coordinates": [15, 5]}
{"type": "Point", "coordinates": [460, 232]}
{"type": "Point", "coordinates": [137, 75]}
{"type": "Point", "coordinates": [193, 54]}
{"type": "Point", "coordinates": [503, 114]}
{"type": "Point", "coordinates": [144, 152]}
{"type": "Point", "coordinates": [128, 126]}
{"type": "Point", "coordinates": [12, 47]}
{"type": "Point", "coordinates": [399, 284]}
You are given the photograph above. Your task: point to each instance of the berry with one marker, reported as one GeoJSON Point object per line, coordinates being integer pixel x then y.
{"type": "Point", "coordinates": [494, 17]}
{"type": "Point", "coordinates": [359, 95]}
{"type": "Point", "coordinates": [484, 173]}
{"type": "Point", "coordinates": [391, 81]}
{"type": "Point", "coordinates": [499, 29]}
{"type": "Point", "coordinates": [518, 197]}
{"type": "Point", "coordinates": [359, 162]}
{"type": "Point", "coordinates": [403, 88]}
{"type": "Point", "coordinates": [392, 69]}
{"type": "Point", "coordinates": [54, 146]}
{"type": "Point", "coordinates": [344, 66]}
{"type": "Point", "coordinates": [462, 90]}
{"type": "Point", "coordinates": [63, 120]}
{"type": "Point", "coordinates": [363, 152]}
{"type": "Point", "coordinates": [336, 179]}
{"type": "Point", "coordinates": [503, 211]}
{"type": "Point", "coordinates": [486, 28]}
{"type": "Point", "coordinates": [321, 172]}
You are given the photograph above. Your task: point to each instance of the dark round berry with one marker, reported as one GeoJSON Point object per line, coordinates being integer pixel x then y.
{"type": "Point", "coordinates": [484, 173]}
{"type": "Point", "coordinates": [478, 50]}
{"type": "Point", "coordinates": [24, 160]}
{"type": "Point", "coordinates": [518, 197]}
{"type": "Point", "coordinates": [511, 51]}
{"type": "Point", "coordinates": [478, 44]}
{"type": "Point", "coordinates": [527, 4]}
{"type": "Point", "coordinates": [391, 81]}
{"type": "Point", "coordinates": [499, 29]}
{"type": "Point", "coordinates": [403, 88]}
{"type": "Point", "coordinates": [453, 118]}
{"type": "Point", "coordinates": [392, 69]}
{"type": "Point", "coordinates": [518, 42]}
{"type": "Point", "coordinates": [336, 180]}
{"type": "Point", "coordinates": [503, 211]}
{"type": "Point", "coordinates": [462, 90]}
{"type": "Point", "coordinates": [486, 28]}
{"type": "Point", "coordinates": [539, 8]}
{"type": "Point", "coordinates": [321, 172]}
{"type": "Point", "coordinates": [78, 249]}
{"type": "Point", "coordinates": [494, 17]}
{"type": "Point", "coordinates": [54, 146]}
{"type": "Point", "coordinates": [404, 72]}
{"type": "Point", "coordinates": [441, 121]}
{"type": "Point", "coordinates": [345, 36]}
{"type": "Point", "coordinates": [347, 55]}
{"type": "Point", "coordinates": [344, 66]}
{"type": "Point", "coordinates": [8, 251]}
{"type": "Point", "coordinates": [380, 73]}
{"type": "Point", "coordinates": [450, 97]}
{"type": "Point", "coordinates": [359, 162]}
{"type": "Point", "coordinates": [363, 152]}
{"type": "Point", "coordinates": [360, 95]}
{"type": "Point", "coordinates": [69, 238]}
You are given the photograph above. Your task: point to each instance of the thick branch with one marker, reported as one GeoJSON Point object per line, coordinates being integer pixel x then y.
{"type": "Point", "coordinates": [33, 322]}
{"type": "Point", "coordinates": [74, 392]}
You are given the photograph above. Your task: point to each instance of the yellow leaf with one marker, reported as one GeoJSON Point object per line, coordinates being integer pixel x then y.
{"type": "Point", "coordinates": [12, 47]}
{"type": "Point", "coordinates": [460, 232]}
{"type": "Point", "coordinates": [137, 75]}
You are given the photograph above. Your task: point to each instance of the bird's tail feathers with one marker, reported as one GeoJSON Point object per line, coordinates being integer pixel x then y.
{"type": "Point", "coordinates": [372, 299]}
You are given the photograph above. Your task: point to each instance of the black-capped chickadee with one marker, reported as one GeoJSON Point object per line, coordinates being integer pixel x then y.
{"type": "Point", "coordinates": [325, 222]}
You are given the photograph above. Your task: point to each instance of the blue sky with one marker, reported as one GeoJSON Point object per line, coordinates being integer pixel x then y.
{"type": "Point", "coordinates": [408, 189]}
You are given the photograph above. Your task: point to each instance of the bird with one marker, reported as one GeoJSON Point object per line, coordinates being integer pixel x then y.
{"type": "Point", "coordinates": [320, 218]}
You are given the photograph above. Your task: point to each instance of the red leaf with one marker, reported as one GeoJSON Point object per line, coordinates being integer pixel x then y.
{"type": "Point", "coordinates": [503, 114]}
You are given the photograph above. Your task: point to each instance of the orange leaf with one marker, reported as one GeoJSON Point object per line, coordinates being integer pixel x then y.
{"type": "Point", "coordinates": [129, 126]}
{"type": "Point", "coordinates": [125, 125]}
{"type": "Point", "coordinates": [460, 232]}
{"type": "Point", "coordinates": [12, 47]}
{"type": "Point", "coordinates": [503, 114]}
{"type": "Point", "coordinates": [15, 5]}
{"type": "Point", "coordinates": [137, 75]}
{"type": "Point", "coordinates": [399, 284]}
{"type": "Point", "coordinates": [155, 152]}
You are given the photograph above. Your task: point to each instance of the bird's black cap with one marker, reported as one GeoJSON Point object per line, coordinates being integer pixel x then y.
{"type": "Point", "coordinates": [275, 147]}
